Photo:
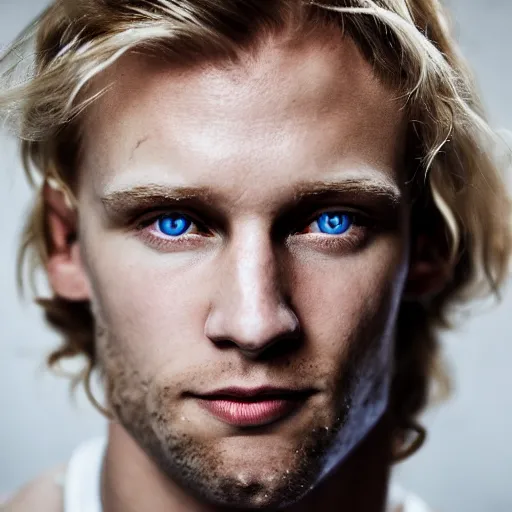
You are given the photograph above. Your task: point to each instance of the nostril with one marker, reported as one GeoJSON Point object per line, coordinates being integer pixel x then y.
{"type": "Point", "coordinates": [281, 347]}
{"type": "Point", "coordinates": [223, 343]}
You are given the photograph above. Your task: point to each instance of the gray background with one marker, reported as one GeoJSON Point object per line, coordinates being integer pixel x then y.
{"type": "Point", "coordinates": [467, 462]}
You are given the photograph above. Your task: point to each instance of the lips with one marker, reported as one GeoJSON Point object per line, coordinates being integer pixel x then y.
{"type": "Point", "coordinates": [252, 407]}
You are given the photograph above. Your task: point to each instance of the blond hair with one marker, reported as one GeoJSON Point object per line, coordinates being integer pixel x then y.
{"type": "Point", "coordinates": [459, 196]}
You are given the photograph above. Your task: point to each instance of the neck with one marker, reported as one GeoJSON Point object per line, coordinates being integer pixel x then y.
{"type": "Point", "coordinates": [132, 482]}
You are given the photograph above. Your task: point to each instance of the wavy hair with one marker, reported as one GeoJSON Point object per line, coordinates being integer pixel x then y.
{"type": "Point", "coordinates": [459, 192]}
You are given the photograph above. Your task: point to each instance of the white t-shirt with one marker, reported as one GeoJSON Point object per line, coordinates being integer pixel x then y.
{"type": "Point", "coordinates": [82, 483]}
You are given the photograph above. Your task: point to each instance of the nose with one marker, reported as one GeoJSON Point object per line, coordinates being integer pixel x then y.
{"type": "Point", "coordinates": [249, 309]}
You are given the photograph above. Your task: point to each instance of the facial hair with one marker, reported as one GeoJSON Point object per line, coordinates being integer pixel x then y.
{"type": "Point", "coordinates": [148, 413]}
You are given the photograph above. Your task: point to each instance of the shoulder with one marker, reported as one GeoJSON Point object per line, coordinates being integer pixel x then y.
{"type": "Point", "coordinates": [401, 500]}
{"type": "Point", "coordinates": [43, 493]}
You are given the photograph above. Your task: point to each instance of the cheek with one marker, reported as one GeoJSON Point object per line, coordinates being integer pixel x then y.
{"type": "Point", "coordinates": [348, 308]}
{"type": "Point", "coordinates": [348, 302]}
{"type": "Point", "coordinates": [154, 305]}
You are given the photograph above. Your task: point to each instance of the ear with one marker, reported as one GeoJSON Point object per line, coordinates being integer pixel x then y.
{"type": "Point", "coordinates": [429, 268]}
{"type": "Point", "coordinates": [64, 267]}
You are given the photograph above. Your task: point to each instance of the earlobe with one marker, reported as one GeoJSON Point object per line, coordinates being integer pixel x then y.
{"type": "Point", "coordinates": [429, 270]}
{"type": "Point", "coordinates": [64, 266]}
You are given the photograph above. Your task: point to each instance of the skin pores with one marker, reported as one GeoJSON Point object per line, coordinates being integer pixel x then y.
{"type": "Point", "coordinates": [254, 293]}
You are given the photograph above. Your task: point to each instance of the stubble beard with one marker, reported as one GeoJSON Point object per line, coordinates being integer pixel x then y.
{"type": "Point", "coordinates": [194, 465]}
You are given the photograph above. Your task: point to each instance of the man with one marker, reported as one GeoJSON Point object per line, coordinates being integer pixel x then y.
{"type": "Point", "coordinates": [254, 218]}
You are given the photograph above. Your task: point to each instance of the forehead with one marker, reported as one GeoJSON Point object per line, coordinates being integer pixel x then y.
{"type": "Point", "coordinates": [297, 107]}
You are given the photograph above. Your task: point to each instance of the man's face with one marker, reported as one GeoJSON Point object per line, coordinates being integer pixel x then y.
{"type": "Point", "coordinates": [241, 227]}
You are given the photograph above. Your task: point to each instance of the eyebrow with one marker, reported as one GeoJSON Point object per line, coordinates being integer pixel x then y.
{"type": "Point", "coordinates": [134, 199]}
{"type": "Point", "coordinates": [381, 188]}
{"type": "Point", "coordinates": [148, 195]}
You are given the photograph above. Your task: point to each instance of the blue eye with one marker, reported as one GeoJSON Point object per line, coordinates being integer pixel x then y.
{"type": "Point", "coordinates": [173, 225]}
{"type": "Point", "coordinates": [334, 223]}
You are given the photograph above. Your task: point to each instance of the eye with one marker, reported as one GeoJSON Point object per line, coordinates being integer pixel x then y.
{"type": "Point", "coordinates": [332, 223]}
{"type": "Point", "coordinates": [173, 225]}
{"type": "Point", "coordinates": [336, 232]}
{"type": "Point", "coordinates": [171, 231]}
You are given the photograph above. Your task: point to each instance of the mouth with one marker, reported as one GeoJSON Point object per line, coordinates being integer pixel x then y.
{"type": "Point", "coordinates": [245, 407]}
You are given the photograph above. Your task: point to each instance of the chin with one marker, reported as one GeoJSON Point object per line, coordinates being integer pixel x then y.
{"type": "Point", "coordinates": [267, 489]}
{"type": "Point", "coordinates": [247, 472]}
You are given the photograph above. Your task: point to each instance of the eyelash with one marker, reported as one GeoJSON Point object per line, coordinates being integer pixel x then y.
{"type": "Point", "coordinates": [351, 238]}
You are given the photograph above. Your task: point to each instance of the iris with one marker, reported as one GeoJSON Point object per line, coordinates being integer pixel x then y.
{"type": "Point", "coordinates": [334, 223]}
{"type": "Point", "coordinates": [173, 225]}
